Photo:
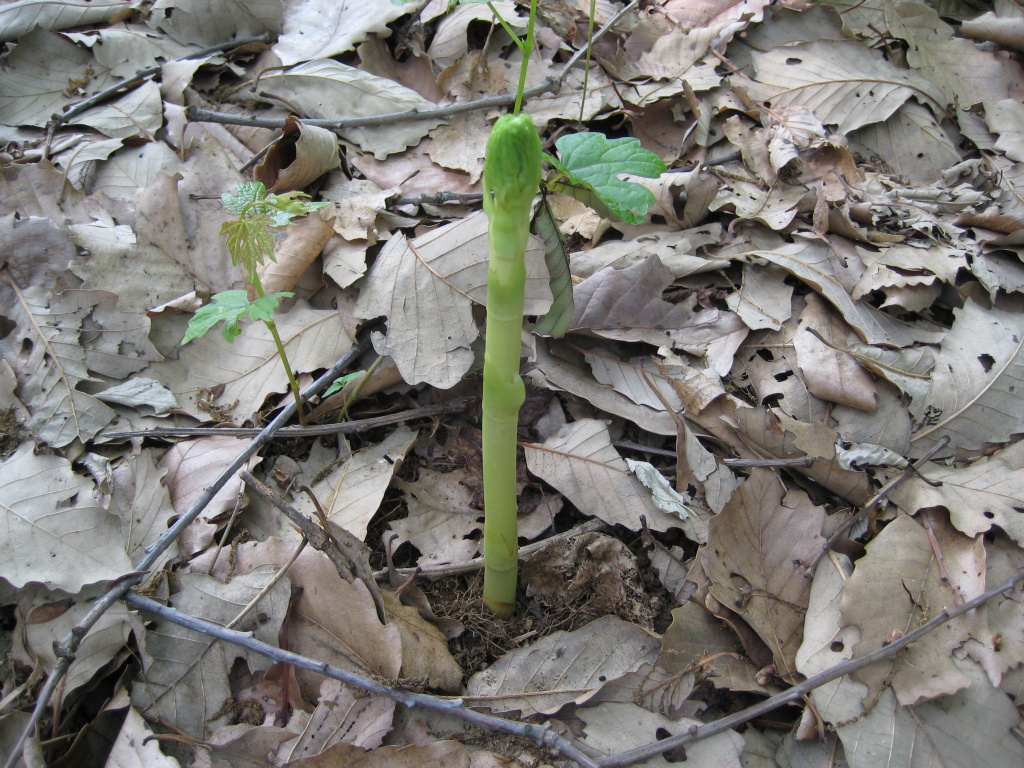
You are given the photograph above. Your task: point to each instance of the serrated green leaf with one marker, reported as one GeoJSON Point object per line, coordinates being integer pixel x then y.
{"type": "Point", "coordinates": [224, 305]}
{"type": "Point", "coordinates": [264, 307]}
{"type": "Point", "coordinates": [248, 241]}
{"type": "Point", "coordinates": [229, 307]}
{"type": "Point", "coordinates": [595, 161]}
{"type": "Point", "coordinates": [559, 316]}
{"type": "Point", "coordinates": [246, 194]}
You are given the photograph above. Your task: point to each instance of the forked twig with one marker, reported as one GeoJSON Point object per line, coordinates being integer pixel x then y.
{"type": "Point", "coordinates": [66, 648]}
{"type": "Point", "coordinates": [542, 734]}
{"type": "Point", "coordinates": [551, 84]}
{"type": "Point", "coordinates": [797, 691]}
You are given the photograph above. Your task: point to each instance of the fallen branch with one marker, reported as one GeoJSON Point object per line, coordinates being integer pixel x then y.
{"type": "Point", "coordinates": [798, 691]}
{"type": "Point", "coordinates": [551, 84]}
{"type": "Point", "coordinates": [542, 734]}
{"type": "Point", "coordinates": [66, 648]}
{"type": "Point", "coordinates": [357, 425]}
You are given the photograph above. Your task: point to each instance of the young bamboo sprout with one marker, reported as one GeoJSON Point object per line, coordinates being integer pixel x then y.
{"type": "Point", "coordinates": [510, 181]}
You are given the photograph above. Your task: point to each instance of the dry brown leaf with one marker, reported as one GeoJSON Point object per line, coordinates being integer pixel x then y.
{"type": "Point", "coordinates": [563, 667]}
{"type": "Point", "coordinates": [53, 532]}
{"type": "Point", "coordinates": [753, 553]}
{"type": "Point", "coordinates": [581, 462]}
{"type": "Point", "coordinates": [896, 587]}
{"type": "Point", "coordinates": [425, 655]}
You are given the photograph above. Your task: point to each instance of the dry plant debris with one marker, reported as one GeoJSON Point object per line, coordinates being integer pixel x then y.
{"type": "Point", "coordinates": [829, 285]}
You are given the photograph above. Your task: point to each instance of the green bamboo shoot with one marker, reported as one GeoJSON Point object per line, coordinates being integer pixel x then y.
{"type": "Point", "coordinates": [510, 181]}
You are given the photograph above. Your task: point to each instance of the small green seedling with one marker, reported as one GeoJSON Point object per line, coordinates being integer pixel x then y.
{"type": "Point", "coordinates": [250, 241]}
{"type": "Point", "coordinates": [589, 170]}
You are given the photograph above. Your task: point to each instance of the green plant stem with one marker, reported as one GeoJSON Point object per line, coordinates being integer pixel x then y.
{"type": "Point", "coordinates": [272, 327]}
{"type": "Point", "coordinates": [527, 51]}
{"type": "Point", "coordinates": [343, 413]}
{"type": "Point", "coordinates": [511, 178]}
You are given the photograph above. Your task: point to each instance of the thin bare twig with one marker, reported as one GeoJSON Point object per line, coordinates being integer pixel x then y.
{"type": "Point", "coordinates": [797, 691]}
{"type": "Point", "coordinates": [551, 84]}
{"type": "Point", "coordinates": [66, 648]}
{"type": "Point", "coordinates": [348, 554]}
{"type": "Point", "coordinates": [438, 571]}
{"type": "Point", "coordinates": [455, 405]}
{"type": "Point", "coordinates": [121, 86]}
{"type": "Point", "coordinates": [542, 734]}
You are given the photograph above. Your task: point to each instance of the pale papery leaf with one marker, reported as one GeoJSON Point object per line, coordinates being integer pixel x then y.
{"type": "Point", "coordinates": [211, 22]}
{"type": "Point", "coordinates": [249, 369]}
{"type": "Point", "coordinates": [132, 167]}
{"type": "Point", "coordinates": [336, 622]}
{"type": "Point", "coordinates": [913, 144]}
{"type": "Point", "coordinates": [843, 83]}
{"type": "Point", "coordinates": [142, 501]}
{"type": "Point", "coordinates": [425, 654]}
{"type": "Point", "coordinates": [782, 436]}
{"type": "Point", "coordinates": [303, 154]}
{"type": "Point", "coordinates": [127, 48]}
{"type": "Point", "coordinates": [46, 618]}
{"type": "Point", "coordinates": [36, 249]}
{"type": "Point", "coordinates": [626, 304]}
{"type": "Point", "coordinates": [20, 17]}
{"type": "Point", "coordinates": [812, 262]}
{"type": "Point", "coordinates": [974, 397]}
{"type": "Point", "coordinates": [37, 77]}
{"type": "Point", "coordinates": [46, 353]}
{"type": "Point", "coordinates": [966, 74]}
{"type": "Point", "coordinates": [695, 635]}
{"type": "Point", "coordinates": [186, 681]}
{"type": "Point", "coordinates": [191, 466]}
{"type": "Point", "coordinates": [343, 717]}
{"type": "Point", "coordinates": [540, 679]}
{"type": "Point", "coordinates": [830, 374]}
{"type": "Point", "coordinates": [303, 242]}
{"type": "Point", "coordinates": [327, 89]}
{"type": "Point", "coordinates": [136, 744]}
{"type": "Point", "coordinates": [560, 366]}
{"type": "Point", "coordinates": [768, 364]}
{"type": "Point", "coordinates": [441, 522]}
{"type": "Point", "coordinates": [80, 161]}
{"type": "Point", "coordinates": [320, 29]}
{"type": "Point", "coordinates": [902, 556]}
{"type": "Point", "coordinates": [581, 462]}
{"type": "Point", "coordinates": [612, 728]}
{"type": "Point", "coordinates": [971, 729]}
{"type": "Point", "coordinates": [350, 493]}
{"type": "Point", "coordinates": [982, 494]}
{"type": "Point", "coordinates": [764, 301]}
{"type": "Point", "coordinates": [1005, 28]}
{"type": "Point", "coordinates": [754, 546]}
{"type": "Point", "coordinates": [827, 641]}
{"type": "Point", "coordinates": [639, 379]}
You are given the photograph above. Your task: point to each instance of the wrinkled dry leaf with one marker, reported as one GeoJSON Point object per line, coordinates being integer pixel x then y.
{"type": "Point", "coordinates": [752, 557]}
{"type": "Point", "coordinates": [563, 667]}
{"type": "Point", "coordinates": [54, 532]}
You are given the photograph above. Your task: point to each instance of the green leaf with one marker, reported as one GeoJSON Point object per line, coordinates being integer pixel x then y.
{"type": "Point", "coordinates": [229, 307]}
{"type": "Point", "coordinates": [594, 161]}
{"type": "Point", "coordinates": [341, 382]}
{"type": "Point", "coordinates": [246, 193]}
{"type": "Point", "coordinates": [249, 241]}
{"type": "Point", "coordinates": [225, 305]}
